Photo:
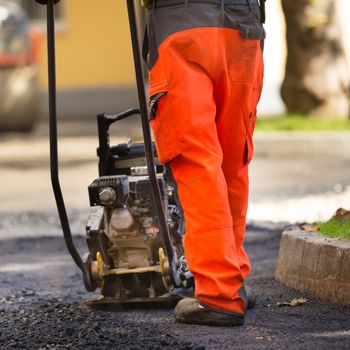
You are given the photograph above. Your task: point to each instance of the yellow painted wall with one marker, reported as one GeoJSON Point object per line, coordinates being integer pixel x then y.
{"type": "Point", "coordinates": [93, 48]}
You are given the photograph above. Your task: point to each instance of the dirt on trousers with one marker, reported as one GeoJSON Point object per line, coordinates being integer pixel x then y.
{"type": "Point", "coordinates": [42, 305]}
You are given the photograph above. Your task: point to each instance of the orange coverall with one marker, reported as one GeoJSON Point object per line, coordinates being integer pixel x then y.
{"type": "Point", "coordinates": [206, 74]}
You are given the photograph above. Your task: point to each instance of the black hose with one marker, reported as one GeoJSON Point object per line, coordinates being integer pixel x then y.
{"type": "Point", "coordinates": [163, 226]}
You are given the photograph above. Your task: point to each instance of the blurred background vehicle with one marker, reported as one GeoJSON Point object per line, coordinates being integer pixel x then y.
{"type": "Point", "coordinates": [19, 73]}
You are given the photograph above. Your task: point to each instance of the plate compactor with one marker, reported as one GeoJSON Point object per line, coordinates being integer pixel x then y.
{"type": "Point", "coordinates": [135, 237]}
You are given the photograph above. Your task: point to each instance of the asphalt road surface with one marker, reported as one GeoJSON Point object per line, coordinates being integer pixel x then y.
{"type": "Point", "coordinates": [41, 291]}
{"type": "Point", "coordinates": [42, 306]}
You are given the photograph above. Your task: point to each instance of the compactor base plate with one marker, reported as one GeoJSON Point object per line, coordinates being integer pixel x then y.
{"type": "Point", "coordinates": [115, 304]}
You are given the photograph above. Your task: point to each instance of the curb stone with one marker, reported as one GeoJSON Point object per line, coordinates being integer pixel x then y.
{"type": "Point", "coordinates": [314, 263]}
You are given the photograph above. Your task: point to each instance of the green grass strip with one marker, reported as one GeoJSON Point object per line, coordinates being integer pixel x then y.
{"type": "Point", "coordinates": [335, 228]}
{"type": "Point", "coordinates": [301, 123]}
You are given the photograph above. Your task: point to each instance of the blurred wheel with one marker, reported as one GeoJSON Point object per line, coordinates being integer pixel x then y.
{"type": "Point", "coordinates": [19, 52]}
{"type": "Point", "coordinates": [19, 98]}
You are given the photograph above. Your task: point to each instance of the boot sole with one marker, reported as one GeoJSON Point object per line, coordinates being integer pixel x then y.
{"type": "Point", "coordinates": [237, 321]}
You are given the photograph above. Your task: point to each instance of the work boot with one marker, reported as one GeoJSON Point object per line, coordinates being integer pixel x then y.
{"type": "Point", "coordinates": [192, 311]}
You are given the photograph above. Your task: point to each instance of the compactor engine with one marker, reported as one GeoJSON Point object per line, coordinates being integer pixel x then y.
{"type": "Point", "coordinates": [126, 254]}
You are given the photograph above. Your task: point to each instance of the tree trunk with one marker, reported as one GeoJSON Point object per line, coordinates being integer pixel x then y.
{"type": "Point", "coordinates": [317, 79]}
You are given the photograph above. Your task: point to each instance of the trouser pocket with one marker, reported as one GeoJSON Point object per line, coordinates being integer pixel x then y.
{"type": "Point", "coordinates": [164, 127]}
{"type": "Point", "coordinates": [250, 125]}
{"type": "Point", "coordinates": [249, 144]}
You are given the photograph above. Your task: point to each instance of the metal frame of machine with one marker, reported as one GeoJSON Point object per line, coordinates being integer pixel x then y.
{"type": "Point", "coordinates": [136, 251]}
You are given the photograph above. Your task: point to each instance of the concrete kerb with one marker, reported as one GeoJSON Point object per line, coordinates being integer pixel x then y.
{"type": "Point", "coordinates": [316, 264]}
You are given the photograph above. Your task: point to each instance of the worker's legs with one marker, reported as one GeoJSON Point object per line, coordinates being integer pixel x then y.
{"type": "Point", "coordinates": [202, 96]}
{"type": "Point", "coordinates": [212, 184]}
{"type": "Point", "coordinates": [209, 239]}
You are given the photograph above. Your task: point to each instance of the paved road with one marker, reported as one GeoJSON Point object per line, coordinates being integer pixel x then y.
{"type": "Point", "coordinates": [42, 307]}
{"type": "Point", "coordinates": [307, 187]}
{"type": "Point", "coordinates": [41, 292]}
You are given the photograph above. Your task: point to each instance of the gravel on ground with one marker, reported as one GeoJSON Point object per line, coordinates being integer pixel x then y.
{"type": "Point", "coordinates": [42, 304]}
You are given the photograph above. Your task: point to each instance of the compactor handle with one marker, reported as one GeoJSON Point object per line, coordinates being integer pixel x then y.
{"type": "Point", "coordinates": [174, 274]}
{"type": "Point", "coordinates": [53, 144]}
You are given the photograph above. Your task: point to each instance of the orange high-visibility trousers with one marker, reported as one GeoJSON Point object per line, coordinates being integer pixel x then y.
{"type": "Point", "coordinates": [206, 83]}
